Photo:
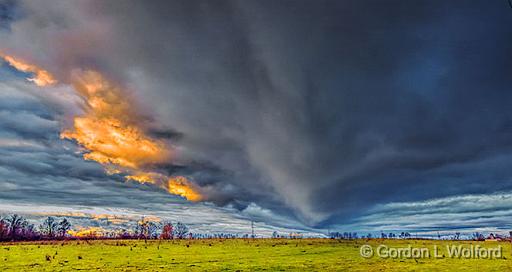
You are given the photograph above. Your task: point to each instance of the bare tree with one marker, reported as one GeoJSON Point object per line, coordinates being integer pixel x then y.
{"type": "Point", "coordinates": [181, 230]}
{"type": "Point", "coordinates": [152, 230]}
{"type": "Point", "coordinates": [28, 232]}
{"type": "Point", "coordinates": [4, 230]}
{"type": "Point", "coordinates": [15, 222]}
{"type": "Point", "coordinates": [63, 227]}
{"type": "Point", "coordinates": [141, 229]}
{"type": "Point", "coordinates": [167, 232]}
{"type": "Point", "coordinates": [146, 229]}
{"type": "Point", "coordinates": [49, 227]}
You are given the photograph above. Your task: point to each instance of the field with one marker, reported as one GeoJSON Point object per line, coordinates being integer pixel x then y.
{"type": "Point", "coordinates": [237, 255]}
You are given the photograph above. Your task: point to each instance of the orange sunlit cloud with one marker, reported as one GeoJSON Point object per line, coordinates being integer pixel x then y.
{"type": "Point", "coordinates": [88, 232]}
{"type": "Point", "coordinates": [112, 139]}
{"type": "Point", "coordinates": [108, 129]}
{"type": "Point", "coordinates": [103, 98]}
{"type": "Point", "coordinates": [182, 186]}
{"type": "Point", "coordinates": [146, 177]}
{"type": "Point", "coordinates": [110, 133]}
{"type": "Point", "coordinates": [112, 142]}
{"type": "Point", "coordinates": [41, 77]}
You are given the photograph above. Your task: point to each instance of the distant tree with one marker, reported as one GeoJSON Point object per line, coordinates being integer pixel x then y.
{"type": "Point", "coordinates": [336, 235]}
{"type": "Point", "coordinates": [478, 236]}
{"type": "Point", "coordinates": [167, 232]}
{"type": "Point", "coordinates": [123, 234]}
{"type": "Point", "coordinates": [29, 232]}
{"type": "Point", "coordinates": [63, 227]}
{"type": "Point", "coordinates": [49, 227]}
{"type": "Point", "coordinates": [146, 229]}
{"type": "Point", "coordinates": [180, 230]}
{"type": "Point", "coordinates": [4, 230]}
{"type": "Point", "coordinates": [16, 223]}
{"type": "Point", "coordinates": [142, 229]}
{"type": "Point", "coordinates": [275, 235]}
{"type": "Point", "coordinates": [153, 230]}
{"type": "Point", "coordinates": [457, 236]}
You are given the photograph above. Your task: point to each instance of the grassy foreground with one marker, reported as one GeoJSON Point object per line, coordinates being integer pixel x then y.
{"type": "Point", "coordinates": [234, 255]}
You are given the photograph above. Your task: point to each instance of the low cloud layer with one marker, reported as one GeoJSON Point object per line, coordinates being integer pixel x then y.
{"type": "Point", "coordinates": [315, 110]}
{"type": "Point", "coordinates": [465, 213]}
{"type": "Point", "coordinates": [199, 219]}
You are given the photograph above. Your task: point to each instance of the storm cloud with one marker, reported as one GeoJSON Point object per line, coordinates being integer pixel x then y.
{"type": "Point", "coordinates": [319, 110]}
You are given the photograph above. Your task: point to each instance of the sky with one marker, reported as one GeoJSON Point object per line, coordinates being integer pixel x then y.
{"type": "Point", "coordinates": [298, 115]}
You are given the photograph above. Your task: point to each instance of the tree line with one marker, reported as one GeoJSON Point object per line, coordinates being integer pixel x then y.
{"type": "Point", "coordinates": [16, 228]}
{"type": "Point", "coordinates": [476, 236]}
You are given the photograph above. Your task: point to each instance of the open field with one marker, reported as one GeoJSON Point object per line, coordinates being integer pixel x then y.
{"type": "Point", "coordinates": [236, 254]}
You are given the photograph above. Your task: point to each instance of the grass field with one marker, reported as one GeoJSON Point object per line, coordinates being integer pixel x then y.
{"type": "Point", "coordinates": [235, 255]}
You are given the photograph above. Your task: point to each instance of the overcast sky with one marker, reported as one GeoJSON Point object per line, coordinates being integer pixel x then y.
{"type": "Point", "coordinates": [308, 115]}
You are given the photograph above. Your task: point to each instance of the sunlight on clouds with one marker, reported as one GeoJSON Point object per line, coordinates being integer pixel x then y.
{"type": "Point", "coordinates": [183, 187]}
{"type": "Point", "coordinates": [41, 77]}
{"type": "Point", "coordinates": [112, 142]}
{"type": "Point", "coordinates": [110, 131]}
{"type": "Point", "coordinates": [88, 232]}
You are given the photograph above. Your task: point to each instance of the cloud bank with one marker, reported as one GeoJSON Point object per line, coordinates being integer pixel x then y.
{"type": "Point", "coordinates": [319, 110]}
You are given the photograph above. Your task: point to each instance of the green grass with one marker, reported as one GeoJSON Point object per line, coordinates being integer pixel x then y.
{"type": "Point", "coordinates": [233, 255]}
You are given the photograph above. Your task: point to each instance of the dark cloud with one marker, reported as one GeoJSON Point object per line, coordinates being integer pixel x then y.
{"type": "Point", "coordinates": [323, 108]}
{"type": "Point", "coordinates": [41, 175]}
{"type": "Point", "coordinates": [8, 13]}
